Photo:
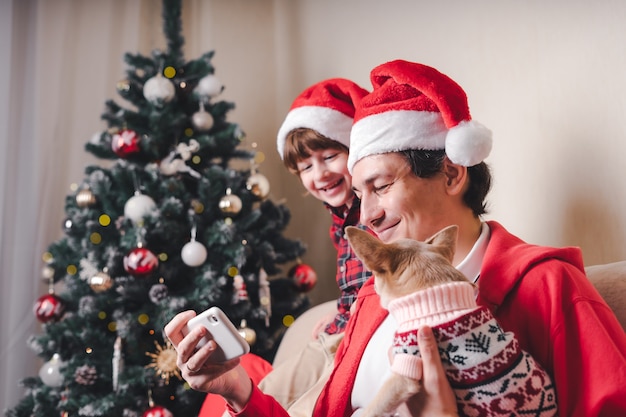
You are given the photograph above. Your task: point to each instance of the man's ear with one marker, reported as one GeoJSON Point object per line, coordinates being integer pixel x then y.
{"type": "Point", "coordinates": [369, 249]}
{"type": "Point", "coordinates": [456, 177]}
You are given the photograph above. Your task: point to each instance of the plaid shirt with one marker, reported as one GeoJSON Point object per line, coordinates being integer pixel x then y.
{"type": "Point", "coordinates": [351, 274]}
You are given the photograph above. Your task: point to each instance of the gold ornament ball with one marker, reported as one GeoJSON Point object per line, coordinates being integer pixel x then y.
{"type": "Point", "coordinates": [123, 86]}
{"type": "Point", "coordinates": [85, 198]}
{"type": "Point", "coordinates": [100, 282]}
{"type": "Point", "coordinates": [230, 204]}
{"type": "Point", "coordinates": [258, 185]}
{"type": "Point", "coordinates": [248, 334]}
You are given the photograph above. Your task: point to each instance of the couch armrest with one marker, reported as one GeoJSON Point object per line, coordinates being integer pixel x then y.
{"type": "Point", "coordinates": [610, 281]}
{"type": "Point", "coordinates": [298, 334]}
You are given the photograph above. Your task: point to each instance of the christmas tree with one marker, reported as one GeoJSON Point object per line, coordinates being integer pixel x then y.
{"type": "Point", "coordinates": [180, 218]}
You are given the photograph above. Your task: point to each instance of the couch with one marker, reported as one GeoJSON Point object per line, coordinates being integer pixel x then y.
{"type": "Point", "coordinates": [609, 279]}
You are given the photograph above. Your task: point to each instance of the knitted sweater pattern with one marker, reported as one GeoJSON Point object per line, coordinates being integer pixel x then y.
{"type": "Point", "coordinates": [488, 371]}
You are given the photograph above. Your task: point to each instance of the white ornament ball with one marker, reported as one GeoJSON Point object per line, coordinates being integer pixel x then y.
{"type": "Point", "coordinates": [202, 120]}
{"type": "Point", "coordinates": [50, 372]}
{"type": "Point", "coordinates": [138, 206]}
{"type": "Point", "coordinates": [159, 90]}
{"type": "Point", "coordinates": [209, 86]}
{"type": "Point", "coordinates": [194, 253]}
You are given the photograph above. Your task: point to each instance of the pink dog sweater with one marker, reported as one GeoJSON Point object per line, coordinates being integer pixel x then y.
{"type": "Point", "coordinates": [489, 373]}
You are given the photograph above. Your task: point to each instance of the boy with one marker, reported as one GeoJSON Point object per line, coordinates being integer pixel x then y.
{"type": "Point", "coordinates": [313, 144]}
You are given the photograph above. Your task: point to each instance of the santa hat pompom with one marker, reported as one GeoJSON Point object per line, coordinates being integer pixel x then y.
{"type": "Point", "coordinates": [468, 143]}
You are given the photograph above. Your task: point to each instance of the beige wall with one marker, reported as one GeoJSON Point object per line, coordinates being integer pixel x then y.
{"type": "Point", "coordinates": [547, 77]}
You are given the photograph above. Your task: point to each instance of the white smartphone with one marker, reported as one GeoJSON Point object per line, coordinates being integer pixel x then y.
{"type": "Point", "coordinates": [230, 343]}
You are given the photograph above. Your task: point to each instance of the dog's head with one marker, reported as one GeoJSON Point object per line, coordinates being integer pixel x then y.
{"type": "Point", "coordinates": [406, 265]}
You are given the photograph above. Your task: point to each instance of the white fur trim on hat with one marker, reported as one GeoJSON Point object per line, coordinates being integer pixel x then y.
{"type": "Point", "coordinates": [466, 144]}
{"type": "Point", "coordinates": [331, 123]}
{"type": "Point", "coordinates": [395, 131]}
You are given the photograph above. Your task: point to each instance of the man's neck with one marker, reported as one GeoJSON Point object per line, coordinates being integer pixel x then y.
{"type": "Point", "coordinates": [469, 231]}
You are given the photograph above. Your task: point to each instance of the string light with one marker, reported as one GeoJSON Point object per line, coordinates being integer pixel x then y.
{"type": "Point", "coordinates": [143, 319]}
{"type": "Point", "coordinates": [169, 72]}
{"type": "Point", "coordinates": [104, 220]}
{"type": "Point", "coordinates": [95, 238]}
{"type": "Point", "coordinates": [288, 320]}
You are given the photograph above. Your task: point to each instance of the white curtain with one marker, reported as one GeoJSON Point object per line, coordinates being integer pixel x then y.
{"type": "Point", "coordinates": [52, 90]}
{"type": "Point", "coordinates": [21, 193]}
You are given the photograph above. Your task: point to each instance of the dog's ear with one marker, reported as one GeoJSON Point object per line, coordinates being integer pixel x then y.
{"type": "Point", "coordinates": [444, 241]}
{"type": "Point", "coordinates": [370, 250]}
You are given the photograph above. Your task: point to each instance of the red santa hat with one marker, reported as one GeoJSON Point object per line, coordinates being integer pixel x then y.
{"type": "Point", "coordinates": [414, 106]}
{"type": "Point", "coordinates": [326, 107]}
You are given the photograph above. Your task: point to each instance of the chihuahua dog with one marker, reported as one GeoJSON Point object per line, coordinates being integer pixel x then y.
{"type": "Point", "coordinates": [488, 371]}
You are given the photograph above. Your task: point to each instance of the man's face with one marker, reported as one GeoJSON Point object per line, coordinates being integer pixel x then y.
{"type": "Point", "coordinates": [395, 203]}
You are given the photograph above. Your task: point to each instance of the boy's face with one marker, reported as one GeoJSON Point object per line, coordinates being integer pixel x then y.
{"type": "Point", "coordinates": [325, 176]}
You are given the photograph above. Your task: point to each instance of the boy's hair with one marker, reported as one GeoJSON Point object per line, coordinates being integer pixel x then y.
{"type": "Point", "coordinates": [301, 142]}
{"type": "Point", "coordinates": [425, 164]}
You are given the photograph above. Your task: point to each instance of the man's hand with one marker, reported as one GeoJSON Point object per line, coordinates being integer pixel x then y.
{"type": "Point", "coordinates": [227, 379]}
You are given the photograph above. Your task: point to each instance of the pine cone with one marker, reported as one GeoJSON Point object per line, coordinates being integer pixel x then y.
{"type": "Point", "coordinates": [86, 375]}
{"type": "Point", "coordinates": [86, 305]}
{"type": "Point", "coordinates": [158, 292]}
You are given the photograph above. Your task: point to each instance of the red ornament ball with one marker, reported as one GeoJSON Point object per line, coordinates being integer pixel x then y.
{"type": "Point", "coordinates": [140, 262]}
{"type": "Point", "coordinates": [304, 277]}
{"type": "Point", "coordinates": [125, 143]}
{"type": "Point", "coordinates": [157, 411]}
{"type": "Point", "coordinates": [48, 307]}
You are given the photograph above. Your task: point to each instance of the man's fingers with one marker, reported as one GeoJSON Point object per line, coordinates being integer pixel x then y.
{"type": "Point", "coordinates": [174, 329]}
{"type": "Point", "coordinates": [430, 353]}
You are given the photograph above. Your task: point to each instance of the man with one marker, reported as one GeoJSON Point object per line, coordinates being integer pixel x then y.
{"type": "Point", "coordinates": [416, 158]}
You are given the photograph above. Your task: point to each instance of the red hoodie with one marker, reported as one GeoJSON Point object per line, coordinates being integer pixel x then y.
{"type": "Point", "coordinates": [539, 293]}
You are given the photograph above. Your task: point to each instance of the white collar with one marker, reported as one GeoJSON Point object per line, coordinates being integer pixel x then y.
{"type": "Point", "coordinates": [470, 266]}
